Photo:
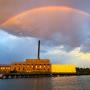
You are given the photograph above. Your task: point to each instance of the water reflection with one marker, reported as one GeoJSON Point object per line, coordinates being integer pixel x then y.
{"type": "Point", "coordinates": [42, 84]}
{"type": "Point", "coordinates": [27, 84]}
{"type": "Point", "coordinates": [56, 83]}
{"type": "Point", "coordinates": [66, 83]}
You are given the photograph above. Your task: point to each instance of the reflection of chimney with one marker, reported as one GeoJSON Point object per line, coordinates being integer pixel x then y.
{"type": "Point", "coordinates": [39, 49]}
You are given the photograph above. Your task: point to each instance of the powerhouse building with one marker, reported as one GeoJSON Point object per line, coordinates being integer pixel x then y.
{"type": "Point", "coordinates": [63, 68]}
{"type": "Point", "coordinates": [28, 66]}
{"type": "Point", "coordinates": [38, 66]}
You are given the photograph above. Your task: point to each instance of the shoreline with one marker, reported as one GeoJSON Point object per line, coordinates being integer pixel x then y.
{"type": "Point", "coordinates": [18, 76]}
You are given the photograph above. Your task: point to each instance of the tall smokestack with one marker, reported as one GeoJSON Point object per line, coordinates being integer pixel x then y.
{"type": "Point", "coordinates": [39, 49]}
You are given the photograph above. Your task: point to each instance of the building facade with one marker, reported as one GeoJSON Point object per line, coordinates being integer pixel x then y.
{"type": "Point", "coordinates": [5, 68]}
{"type": "Point", "coordinates": [63, 68]}
{"type": "Point", "coordinates": [28, 66]}
{"type": "Point", "coordinates": [38, 66]}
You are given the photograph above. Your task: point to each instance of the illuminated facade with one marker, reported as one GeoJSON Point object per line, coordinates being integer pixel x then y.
{"type": "Point", "coordinates": [63, 68]}
{"type": "Point", "coordinates": [5, 68]}
{"type": "Point", "coordinates": [38, 66]}
{"type": "Point", "coordinates": [28, 66]}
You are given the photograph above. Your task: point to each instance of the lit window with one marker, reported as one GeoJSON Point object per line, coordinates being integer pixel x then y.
{"type": "Point", "coordinates": [27, 66]}
{"type": "Point", "coordinates": [36, 66]}
{"type": "Point", "coordinates": [40, 66]}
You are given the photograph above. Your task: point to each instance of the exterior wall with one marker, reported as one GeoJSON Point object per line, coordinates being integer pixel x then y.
{"type": "Point", "coordinates": [38, 66]}
{"type": "Point", "coordinates": [4, 68]}
{"type": "Point", "coordinates": [35, 65]}
{"type": "Point", "coordinates": [63, 68]}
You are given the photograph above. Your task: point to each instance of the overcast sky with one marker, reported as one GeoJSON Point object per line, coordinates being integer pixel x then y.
{"type": "Point", "coordinates": [63, 26]}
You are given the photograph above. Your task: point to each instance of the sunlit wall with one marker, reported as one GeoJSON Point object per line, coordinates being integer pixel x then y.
{"type": "Point", "coordinates": [63, 68]}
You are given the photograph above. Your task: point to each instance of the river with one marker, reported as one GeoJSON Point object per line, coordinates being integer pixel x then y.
{"type": "Point", "coordinates": [55, 83]}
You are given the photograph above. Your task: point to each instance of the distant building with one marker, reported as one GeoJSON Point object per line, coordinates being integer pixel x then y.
{"type": "Point", "coordinates": [28, 66]}
{"type": "Point", "coordinates": [5, 68]}
{"type": "Point", "coordinates": [32, 65]}
{"type": "Point", "coordinates": [63, 68]}
{"type": "Point", "coordinates": [37, 66]}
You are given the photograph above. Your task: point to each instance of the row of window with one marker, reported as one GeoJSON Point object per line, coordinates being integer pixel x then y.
{"type": "Point", "coordinates": [4, 68]}
{"type": "Point", "coordinates": [28, 68]}
{"type": "Point", "coordinates": [31, 64]}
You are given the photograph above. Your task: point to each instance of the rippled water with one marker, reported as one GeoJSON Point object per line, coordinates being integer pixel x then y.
{"type": "Point", "coordinates": [57, 83]}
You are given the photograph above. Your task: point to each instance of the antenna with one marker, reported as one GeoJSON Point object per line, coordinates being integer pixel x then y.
{"type": "Point", "coordinates": [38, 49]}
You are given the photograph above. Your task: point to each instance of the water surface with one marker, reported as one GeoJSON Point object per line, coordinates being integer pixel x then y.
{"type": "Point", "coordinates": [56, 83]}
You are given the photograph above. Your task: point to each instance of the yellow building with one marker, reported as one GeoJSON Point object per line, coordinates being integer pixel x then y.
{"type": "Point", "coordinates": [5, 68]}
{"type": "Point", "coordinates": [32, 65]}
{"type": "Point", "coordinates": [38, 66]}
{"type": "Point", "coordinates": [28, 66]}
{"type": "Point", "coordinates": [63, 68]}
